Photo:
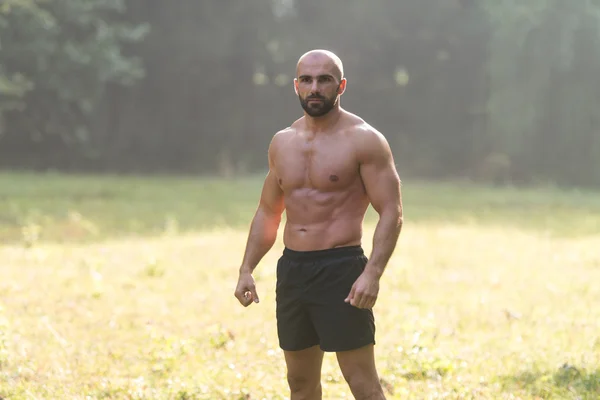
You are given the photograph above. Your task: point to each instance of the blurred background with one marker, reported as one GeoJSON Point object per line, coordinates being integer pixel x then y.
{"type": "Point", "coordinates": [487, 90]}
{"type": "Point", "coordinates": [133, 147]}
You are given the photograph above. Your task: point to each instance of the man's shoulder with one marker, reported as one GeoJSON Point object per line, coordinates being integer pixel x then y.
{"type": "Point", "coordinates": [288, 131]}
{"type": "Point", "coordinates": [280, 137]}
{"type": "Point", "coordinates": [282, 134]}
{"type": "Point", "coordinates": [367, 140]}
{"type": "Point", "coordinates": [362, 131]}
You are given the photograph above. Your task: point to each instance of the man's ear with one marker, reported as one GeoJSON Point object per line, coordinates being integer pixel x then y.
{"type": "Point", "coordinates": [342, 86]}
{"type": "Point", "coordinates": [296, 85]}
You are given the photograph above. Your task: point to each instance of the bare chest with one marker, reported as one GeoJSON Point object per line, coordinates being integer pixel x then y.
{"type": "Point", "coordinates": [325, 165]}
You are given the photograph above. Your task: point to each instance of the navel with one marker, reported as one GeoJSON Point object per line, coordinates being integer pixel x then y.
{"type": "Point", "coordinates": [333, 178]}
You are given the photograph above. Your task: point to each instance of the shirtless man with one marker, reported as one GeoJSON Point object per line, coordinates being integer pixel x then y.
{"type": "Point", "coordinates": [325, 170]}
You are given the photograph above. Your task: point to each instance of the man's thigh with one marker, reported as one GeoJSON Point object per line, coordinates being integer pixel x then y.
{"type": "Point", "coordinates": [359, 370]}
{"type": "Point", "coordinates": [304, 366]}
{"type": "Point", "coordinates": [358, 361]}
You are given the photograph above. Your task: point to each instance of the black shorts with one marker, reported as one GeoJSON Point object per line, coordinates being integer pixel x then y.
{"type": "Point", "coordinates": [310, 308]}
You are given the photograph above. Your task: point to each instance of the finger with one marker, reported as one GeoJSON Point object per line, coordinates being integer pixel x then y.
{"type": "Point", "coordinates": [373, 301]}
{"type": "Point", "coordinates": [247, 298]}
{"type": "Point", "coordinates": [242, 298]}
{"type": "Point", "coordinates": [250, 296]}
{"type": "Point", "coordinates": [370, 303]}
{"type": "Point", "coordinates": [357, 300]}
{"type": "Point", "coordinates": [254, 295]}
{"type": "Point", "coordinates": [350, 295]}
{"type": "Point", "coordinates": [365, 301]}
{"type": "Point", "coordinates": [238, 295]}
{"type": "Point", "coordinates": [362, 303]}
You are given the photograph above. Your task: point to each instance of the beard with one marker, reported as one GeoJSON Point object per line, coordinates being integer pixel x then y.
{"type": "Point", "coordinates": [317, 109]}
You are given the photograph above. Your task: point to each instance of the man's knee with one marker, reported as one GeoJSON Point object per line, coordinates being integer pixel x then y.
{"type": "Point", "coordinates": [364, 386]}
{"type": "Point", "coordinates": [303, 386]}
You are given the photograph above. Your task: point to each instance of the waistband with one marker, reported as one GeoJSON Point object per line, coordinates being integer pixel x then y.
{"type": "Point", "coordinates": [315, 255]}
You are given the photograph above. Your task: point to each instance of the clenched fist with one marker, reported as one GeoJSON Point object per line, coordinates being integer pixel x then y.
{"type": "Point", "coordinates": [245, 291]}
{"type": "Point", "coordinates": [364, 292]}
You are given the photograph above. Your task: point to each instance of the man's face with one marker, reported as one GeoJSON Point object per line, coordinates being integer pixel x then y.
{"type": "Point", "coordinates": [318, 88]}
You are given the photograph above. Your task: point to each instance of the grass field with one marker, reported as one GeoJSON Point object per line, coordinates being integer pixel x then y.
{"type": "Point", "coordinates": [122, 288]}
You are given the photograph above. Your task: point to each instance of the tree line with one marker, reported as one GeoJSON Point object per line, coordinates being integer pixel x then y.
{"type": "Point", "coordinates": [501, 91]}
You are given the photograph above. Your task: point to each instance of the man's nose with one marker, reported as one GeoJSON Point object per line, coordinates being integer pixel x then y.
{"type": "Point", "coordinates": [314, 88]}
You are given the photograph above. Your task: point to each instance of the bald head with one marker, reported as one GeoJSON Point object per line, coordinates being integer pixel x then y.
{"type": "Point", "coordinates": [321, 59]}
{"type": "Point", "coordinates": [319, 82]}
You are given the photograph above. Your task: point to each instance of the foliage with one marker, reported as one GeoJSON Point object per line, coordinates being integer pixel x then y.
{"type": "Point", "coordinates": [544, 56]}
{"type": "Point", "coordinates": [57, 58]}
{"type": "Point", "coordinates": [13, 86]}
{"type": "Point", "coordinates": [498, 91]}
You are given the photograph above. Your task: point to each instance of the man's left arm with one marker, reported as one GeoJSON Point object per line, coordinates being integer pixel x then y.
{"type": "Point", "coordinates": [383, 187]}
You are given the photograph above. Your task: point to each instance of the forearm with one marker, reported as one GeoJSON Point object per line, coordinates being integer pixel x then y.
{"type": "Point", "coordinates": [385, 238]}
{"type": "Point", "coordinates": [262, 236]}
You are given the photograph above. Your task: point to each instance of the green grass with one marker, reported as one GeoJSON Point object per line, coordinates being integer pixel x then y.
{"type": "Point", "coordinates": [87, 208]}
{"type": "Point", "coordinates": [121, 288]}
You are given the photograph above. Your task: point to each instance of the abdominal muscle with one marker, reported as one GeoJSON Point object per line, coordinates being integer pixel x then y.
{"type": "Point", "coordinates": [318, 220]}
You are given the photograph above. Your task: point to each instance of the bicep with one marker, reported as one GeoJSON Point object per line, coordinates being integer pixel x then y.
{"type": "Point", "coordinates": [271, 198]}
{"type": "Point", "coordinates": [379, 175]}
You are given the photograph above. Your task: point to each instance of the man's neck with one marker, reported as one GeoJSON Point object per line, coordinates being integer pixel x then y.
{"type": "Point", "coordinates": [325, 122]}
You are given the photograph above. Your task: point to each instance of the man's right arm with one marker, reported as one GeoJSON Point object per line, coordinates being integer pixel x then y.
{"type": "Point", "coordinates": [262, 236]}
{"type": "Point", "coordinates": [265, 224]}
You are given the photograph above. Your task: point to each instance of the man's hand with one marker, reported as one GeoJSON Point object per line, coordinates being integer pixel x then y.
{"type": "Point", "coordinates": [364, 291]}
{"type": "Point", "coordinates": [245, 291]}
